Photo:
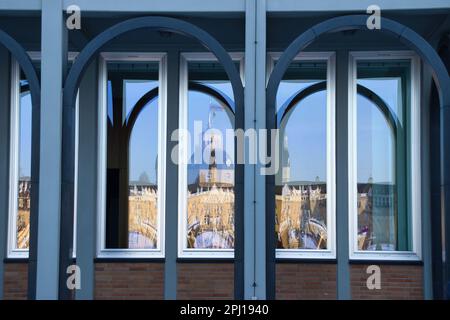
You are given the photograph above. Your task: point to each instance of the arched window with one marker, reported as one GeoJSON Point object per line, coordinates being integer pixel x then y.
{"type": "Point", "coordinates": [132, 153]}
{"type": "Point", "coordinates": [143, 171]}
{"type": "Point", "coordinates": [207, 171]}
{"type": "Point", "coordinates": [21, 140]}
{"type": "Point", "coordinates": [304, 182]}
{"type": "Point", "coordinates": [384, 169]}
{"type": "Point", "coordinates": [23, 153]}
{"type": "Point", "coordinates": [20, 164]}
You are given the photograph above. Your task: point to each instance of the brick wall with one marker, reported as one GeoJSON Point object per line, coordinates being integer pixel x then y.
{"type": "Point", "coordinates": [397, 282]}
{"type": "Point", "coordinates": [15, 281]}
{"type": "Point", "coordinates": [216, 281]}
{"type": "Point", "coordinates": [205, 281]}
{"type": "Point", "coordinates": [298, 281]}
{"type": "Point", "coordinates": [140, 281]}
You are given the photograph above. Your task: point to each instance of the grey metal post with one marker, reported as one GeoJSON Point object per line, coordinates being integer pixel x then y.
{"type": "Point", "coordinates": [50, 152]}
{"type": "Point", "coordinates": [5, 110]}
{"type": "Point", "coordinates": [255, 118]}
{"type": "Point", "coordinates": [342, 205]}
{"type": "Point", "coordinates": [87, 181]}
{"type": "Point", "coordinates": [171, 235]}
{"type": "Point", "coordinates": [426, 183]}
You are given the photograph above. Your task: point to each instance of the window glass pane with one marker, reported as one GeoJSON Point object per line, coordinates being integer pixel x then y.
{"type": "Point", "coordinates": [132, 215]}
{"type": "Point", "coordinates": [383, 107]}
{"type": "Point", "coordinates": [24, 169]}
{"type": "Point", "coordinates": [301, 181]}
{"type": "Point", "coordinates": [210, 174]}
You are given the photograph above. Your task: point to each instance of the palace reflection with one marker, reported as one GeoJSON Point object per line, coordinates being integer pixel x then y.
{"type": "Point", "coordinates": [23, 217]}
{"type": "Point", "coordinates": [210, 198]}
{"type": "Point", "coordinates": [143, 216]}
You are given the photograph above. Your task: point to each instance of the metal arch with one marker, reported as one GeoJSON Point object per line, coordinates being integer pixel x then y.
{"type": "Point", "coordinates": [413, 41]}
{"type": "Point", "coordinates": [26, 65]}
{"type": "Point", "coordinates": [222, 97]}
{"type": "Point", "coordinates": [153, 23]}
{"type": "Point", "coordinates": [138, 107]}
{"type": "Point", "coordinates": [72, 82]}
{"type": "Point", "coordinates": [354, 22]}
{"type": "Point", "coordinates": [285, 110]}
{"type": "Point", "coordinates": [24, 60]}
{"type": "Point", "coordinates": [148, 97]}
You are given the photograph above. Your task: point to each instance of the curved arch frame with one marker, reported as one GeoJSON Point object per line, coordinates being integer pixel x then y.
{"type": "Point", "coordinates": [356, 22]}
{"type": "Point", "coordinates": [284, 112]}
{"type": "Point", "coordinates": [72, 82]}
{"type": "Point", "coordinates": [148, 97]}
{"type": "Point", "coordinates": [25, 63]}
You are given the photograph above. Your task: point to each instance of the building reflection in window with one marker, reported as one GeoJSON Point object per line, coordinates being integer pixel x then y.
{"type": "Point", "coordinates": [132, 156]}
{"type": "Point", "coordinates": [301, 182]}
{"type": "Point", "coordinates": [210, 178]}
{"type": "Point", "coordinates": [24, 169]}
{"type": "Point", "coordinates": [382, 171]}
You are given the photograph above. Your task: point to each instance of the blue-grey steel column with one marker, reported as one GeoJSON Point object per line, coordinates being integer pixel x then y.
{"type": "Point", "coordinates": [87, 191]}
{"type": "Point", "coordinates": [171, 219]}
{"type": "Point", "coordinates": [5, 119]}
{"type": "Point", "coordinates": [425, 105]}
{"type": "Point", "coordinates": [255, 117]}
{"type": "Point", "coordinates": [50, 152]}
{"type": "Point", "coordinates": [445, 193]}
{"type": "Point", "coordinates": [342, 205]}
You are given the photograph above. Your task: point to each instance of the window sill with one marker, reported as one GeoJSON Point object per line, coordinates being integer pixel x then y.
{"type": "Point", "coordinates": [386, 262]}
{"type": "Point", "coordinates": [15, 260]}
{"type": "Point", "coordinates": [205, 260]}
{"type": "Point", "coordinates": [128, 260]}
{"type": "Point", "coordinates": [307, 260]}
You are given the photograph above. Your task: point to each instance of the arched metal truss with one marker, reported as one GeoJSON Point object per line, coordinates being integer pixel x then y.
{"type": "Point", "coordinates": [72, 82]}
{"type": "Point", "coordinates": [356, 22]}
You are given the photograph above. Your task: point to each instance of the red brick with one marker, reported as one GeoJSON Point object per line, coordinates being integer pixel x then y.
{"type": "Point", "coordinates": [126, 281]}
{"type": "Point", "coordinates": [15, 281]}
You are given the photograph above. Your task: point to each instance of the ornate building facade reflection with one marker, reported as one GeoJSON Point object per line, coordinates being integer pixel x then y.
{"type": "Point", "coordinates": [23, 217]}
{"type": "Point", "coordinates": [142, 216]}
{"type": "Point", "coordinates": [300, 209]}
{"type": "Point", "coordinates": [210, 202]}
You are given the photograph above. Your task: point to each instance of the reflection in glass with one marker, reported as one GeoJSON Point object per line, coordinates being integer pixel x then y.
{"type": "Point", "coordinates": [143, 192]}
{"type": "Point", "coordinates": [24, 183]}
{"type": "Point", "coordinates": [210, 202]}
{"type": "Point", "coordinates": [383, 222]}
{"type": "Point", "coordinates": [132, 156]}
{"type": "Point", "coordinates": [301, 182]}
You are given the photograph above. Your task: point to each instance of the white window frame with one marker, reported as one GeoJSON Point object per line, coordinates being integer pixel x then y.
{"type": "Point", "coordinates": [161, 58]}
{"type": "Point", "coordinates": [183, 251]}
{"type": "Point", "coordinates": [12, 251]}
{"type": "Point", "coordinates": [330, 252]}
{"type": "Point", "coordinates": [415, 253]}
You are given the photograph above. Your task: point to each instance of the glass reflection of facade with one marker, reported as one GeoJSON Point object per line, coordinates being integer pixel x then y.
{"type": "Point", "coordinates": [301, 182]}
{"type": "Point", "coordinates": [24, 169]}
{"type": "Point", "coordinates": [132, 156]}
{"type": "Point", "coordinates": [384, 219]}
{"type": "Point", "coordinates": [210, 171]}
